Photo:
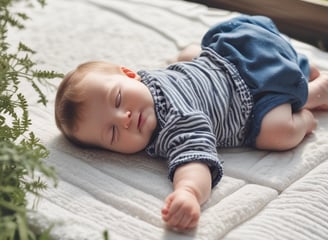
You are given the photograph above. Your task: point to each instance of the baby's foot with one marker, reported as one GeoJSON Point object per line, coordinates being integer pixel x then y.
{"type": "Point", "coordinates": [314, 72]}
{"type": "Point", "coordinates": [321, 84]}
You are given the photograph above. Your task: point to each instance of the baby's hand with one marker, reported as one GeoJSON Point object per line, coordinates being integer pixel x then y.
{"type": "Point", "coordinates": [181, 210]}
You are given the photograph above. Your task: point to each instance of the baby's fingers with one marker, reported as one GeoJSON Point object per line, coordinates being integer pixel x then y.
{"type": "Point", "coordinates": [185, 223]}
{"type": "Point", "coordinates": [182, 216]}
{"type": "Point", "coordinates": [171, 211]}
{"type": "Point", "coordinates": [175, 219]}
{"type": "Point", "coordinates": [166, 208]}
{"type": "Point", "coordinates": [181, 210]}
{"type": "Point", "coordinates": [182, 221]}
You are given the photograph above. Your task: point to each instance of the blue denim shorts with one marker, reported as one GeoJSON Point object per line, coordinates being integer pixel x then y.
{"type": "Point", "coordinates": [267, 62]}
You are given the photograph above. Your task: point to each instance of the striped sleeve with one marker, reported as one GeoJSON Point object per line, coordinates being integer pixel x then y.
{"type": "Point", "coordinates": [191, 140]}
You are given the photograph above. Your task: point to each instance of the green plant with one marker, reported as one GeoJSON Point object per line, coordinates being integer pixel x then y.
{"type": "Point", "coordinates": [21, 153]}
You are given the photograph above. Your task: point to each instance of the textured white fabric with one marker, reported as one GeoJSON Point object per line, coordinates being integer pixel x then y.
{"type": "Point", "coordinates": [263, 195]}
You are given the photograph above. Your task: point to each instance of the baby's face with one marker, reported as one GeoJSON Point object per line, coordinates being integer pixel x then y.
{"type": "Point", "coordinates": [119, 114]}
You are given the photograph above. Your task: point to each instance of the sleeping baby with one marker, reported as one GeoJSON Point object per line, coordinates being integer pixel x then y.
{"type": "Point", "coordinates": [246, 87]}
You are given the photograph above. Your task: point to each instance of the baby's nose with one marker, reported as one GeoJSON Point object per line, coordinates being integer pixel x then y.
{"type": "Point", "coordinates": [127, 119]}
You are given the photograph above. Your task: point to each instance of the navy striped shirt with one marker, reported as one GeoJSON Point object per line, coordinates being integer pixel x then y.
{"type": "Point", "coordinates": [200, 105]}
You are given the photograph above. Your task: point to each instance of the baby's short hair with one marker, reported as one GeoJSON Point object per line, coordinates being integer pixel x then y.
{"type": "Point", "coordinates": [71, 97]}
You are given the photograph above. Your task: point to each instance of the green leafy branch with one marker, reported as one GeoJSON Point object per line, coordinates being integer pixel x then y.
{"type": "Point", "coordinates": [21, 152]}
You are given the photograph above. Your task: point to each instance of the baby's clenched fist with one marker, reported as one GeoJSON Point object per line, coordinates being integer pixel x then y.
{"type": "Point", "coordinates": [181, 210]}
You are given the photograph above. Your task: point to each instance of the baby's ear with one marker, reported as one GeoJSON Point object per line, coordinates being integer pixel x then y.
{"type": "Point", "coordinates": [129, 73]}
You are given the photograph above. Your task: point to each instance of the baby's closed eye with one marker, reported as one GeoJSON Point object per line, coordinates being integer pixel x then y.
{"type": "Point", "coordinates": [118, 99]}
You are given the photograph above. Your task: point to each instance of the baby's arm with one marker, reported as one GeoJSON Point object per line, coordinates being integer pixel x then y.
{"type": "Point", "coordinates": [192, 187]}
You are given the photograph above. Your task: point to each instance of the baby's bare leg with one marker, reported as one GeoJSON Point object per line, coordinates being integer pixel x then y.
{"type": "Point", "coordinates": [187, 54]}
{"type": "Point", "coordinates": [190, 52]}
{"type": "Point", "coordinates": [282, 130]}
{"type": "Point", "coordinates": [318, 93]}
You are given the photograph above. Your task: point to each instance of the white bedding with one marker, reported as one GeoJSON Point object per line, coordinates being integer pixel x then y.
{"type": "Point", "coordinates": [263, 195]}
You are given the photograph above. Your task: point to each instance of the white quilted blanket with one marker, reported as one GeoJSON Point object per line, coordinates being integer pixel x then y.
{"type": "Point", "coordinates": [263, 195]}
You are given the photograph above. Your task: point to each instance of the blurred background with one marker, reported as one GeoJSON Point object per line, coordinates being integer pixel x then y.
{"type": "Point", "coordinates": [305, 20]}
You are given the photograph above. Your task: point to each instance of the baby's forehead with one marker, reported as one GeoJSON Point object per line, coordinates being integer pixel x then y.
{"type": "Point", "coordinates": [92, 78]}
{"type": "Point", "coordinates": [94, 83]}
{"type": "Point", "coordinates": [94, 97]}
{"type": "Point", "coordinates": [97, 86]}
{"type": "Point", "coordinates": [92, 108]}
